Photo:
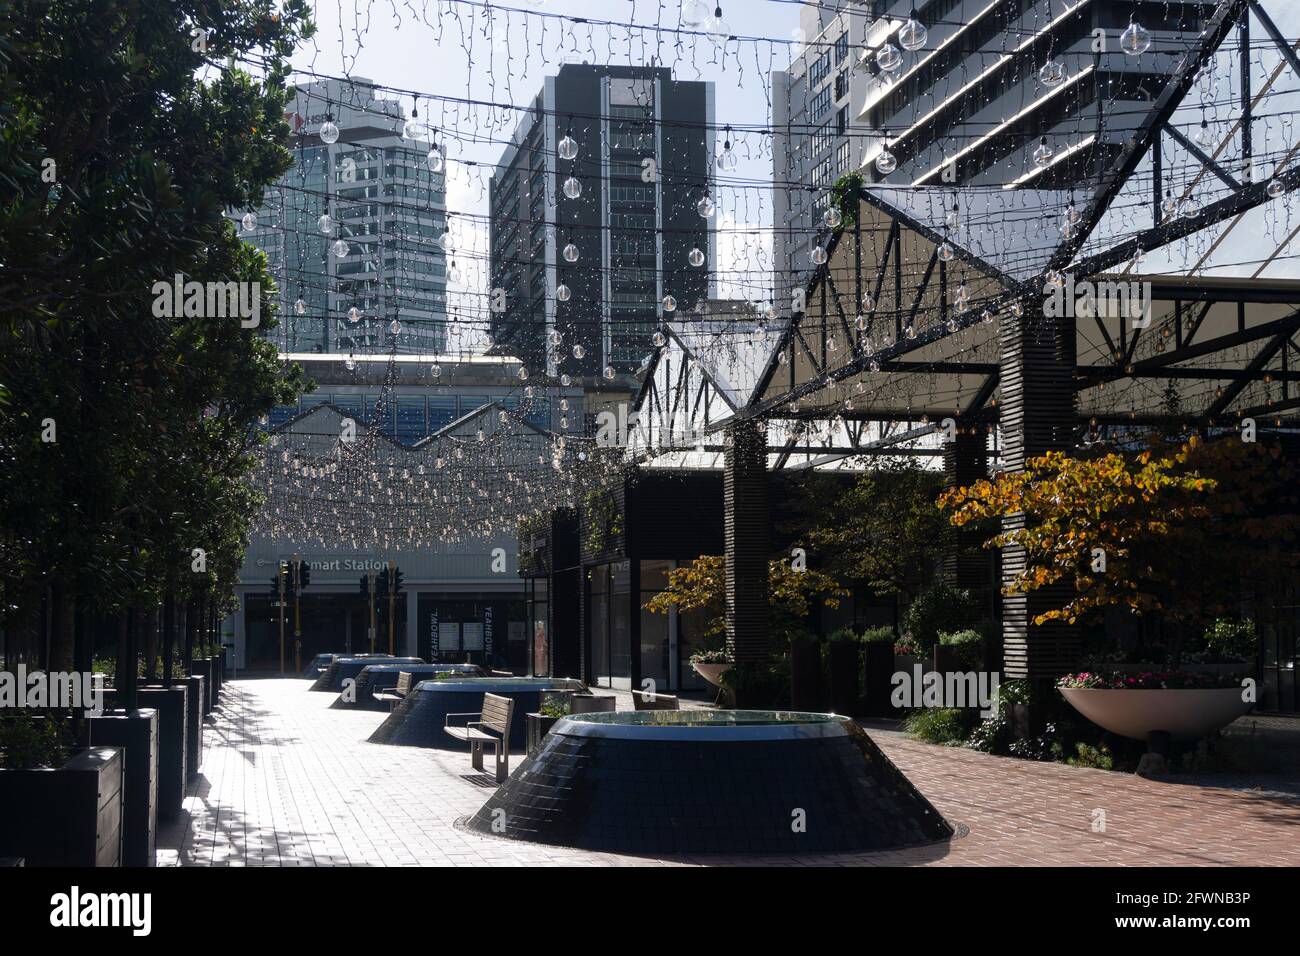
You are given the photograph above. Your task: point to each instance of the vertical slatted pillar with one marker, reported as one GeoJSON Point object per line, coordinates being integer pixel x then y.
{"type": "Point", "coordinates": [1037, 415]}
{"type": "Point", "coordinates": [744, 491]}
{"type": "Point", "coordinates": [966, 461]}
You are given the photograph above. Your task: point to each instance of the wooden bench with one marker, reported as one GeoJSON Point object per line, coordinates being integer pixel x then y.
{"type": "Point", "coordinates": [492, 727]}
{"type": "Point", "coordinates": [642, 700]}
{"type": "Point", "coordinates": [395, 695]}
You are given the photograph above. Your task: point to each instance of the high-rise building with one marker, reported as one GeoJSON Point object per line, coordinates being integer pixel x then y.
{"type": "Point", "coordinates": [1017, 93]}
{"type": "Point", "coordinates": [378, 253]}
{"type": "Point", "coordinates": [815, 135]}
{"type": "Point", "coordinates": [594, 217]}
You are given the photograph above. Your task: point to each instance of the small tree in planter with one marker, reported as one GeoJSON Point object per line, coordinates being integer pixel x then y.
{"type": "Point", "coordinates": [701, 585]}
{"type": "Point", "coordinates": [1169, 532]}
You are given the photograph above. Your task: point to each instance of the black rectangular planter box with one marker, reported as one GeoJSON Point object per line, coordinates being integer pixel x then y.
{"type": "Point", "coordinates": [137, 733]}
{"type": "Point", "coordinates": [71, 816]}
{"type": "Point", "coordinates": [173, 750]}
{"type": "Point", "coordinates": [539, 725]}
{"type": "Point", "coordinates": [202, 667]}
{"type": "Point", "coordinates": [878, 669]}
{"type": "Point", "coordinates": [845, 679]}
{"type": "Point", "coordinates": [194, 725]}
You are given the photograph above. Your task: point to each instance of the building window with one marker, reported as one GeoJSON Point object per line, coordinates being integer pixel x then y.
{"type": "Point", "coordinates": [841, 47]}
{"type": "Point", "coordinates": [820, 104]}
{"type": "Point", "coordinates": [841, 121]}
{"type": "Point", "coordinates": [841, 85]}
{"type": "Point", "coordinates": [842, 159]}
{"type": "Point", "coordinates": [820, 69]}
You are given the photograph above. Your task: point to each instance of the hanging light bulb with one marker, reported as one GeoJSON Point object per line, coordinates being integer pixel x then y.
{"type": "Point", "coordinates": [962, 300]}
{"type": "Point", "coordinates": [340, 248]}
{"type": "Point", "coordinates": [670, 303]}
{"type": "Point", "coordinates": [987, 317]}
{"type": "Point", "coordinates": [555, 338]}
{"type": "Point", "coordinates": [523, 377]}
{"type": "Point", "coordinates": [453, 272]}
{"type": "Point", "coordinates": [886, 162]}
{"type": "Point", "coordinates": [953, 217]}
{"type": "Point", "coordinates": [1135, 40]}
{"type": "Point", "coordinates": [570, 253]}
{"type": "Point", "coordinates": [1190, 208]}
{"type": "Point", "coordinates": [411, 128]}
{"type": "Point", "coordinates": [868, 302]}
{"type": "Point", "coordinates": [717, 26]}
{"type": "Point", "coordinates": [329, 133]}
{"type": "Point", "coordinates": [354, 315]}
{"type": "Point", "coordinates": [946, 252]}
{"type": "Point", "coordinates": [1274, 188]}
{"type": "Point", "coordinates": [951, 324]}
{"type": "Point", "coordinates": [1205, 136]}
{"type": "Point", "coordinates": [300, 307]}
{"type": "Point", "coordinates": [568, 148]}
{"type": "Point", "coordinates": [609, 372]}
{"type": "Point", "coordinates": [1055, 278]}
{"type": "Point", "coordinates": [566, 379]}
{"type": "Point", "coordinates": [395, 327]}
{"type": "Point", "coordinates": [912, 35]}
{"type": "Point", "coordinates": [444, 241]}
{"type": "Point", "coordinates": [659, 339]}
{"type": "Point", "coordinates": [572, 188]}
{"type": "Point", "coordinates": [832, 217]}
{"type": "Point", "coordinates": [1017, 309]}
{"type": "Point", "coordinates": [705, 207]}
{"type": "Point", "coordinates": [727, 161]}
{"type": "Point", "coordinates": [563, 293]}
{"type": "Point", "coordinates": [1043, 153]}
{"type": "Point", "coordinates": [435, 159]}
{"type": "Point", "coordinates": [1052, 73]}
{"type": "Point", "coordinates": [860, 323]}
{"type": "Point", "coordinates": [695, 257]}
{"type": "Point", "coordinates": [818, 255]}
{"type": "Point", "coordinates": [1169, 205]}
{"type": "Point", "coordinates": [694, 13]}
{"type": "Point", "coordinates": [888, 58]}
{"type": "Point", "coordinates": [910, 332]}
{"type": "Point", "coordinates": [435, 371]}
{"type": "Point", "coordinates": [579, 351]}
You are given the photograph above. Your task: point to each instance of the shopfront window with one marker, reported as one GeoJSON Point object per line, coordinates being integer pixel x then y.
{"type": "Point", "coordinates": [657, 644]}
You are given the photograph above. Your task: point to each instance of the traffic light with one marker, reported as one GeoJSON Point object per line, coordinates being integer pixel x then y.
{"type": "Point", "coordinates": [304, 574]}
{"type": "Point", "coordinates": [381, 583]}
{"type": "Point", "coordinates": [365, 586]}
{"type": "Point", "coordinates": [397, 580]}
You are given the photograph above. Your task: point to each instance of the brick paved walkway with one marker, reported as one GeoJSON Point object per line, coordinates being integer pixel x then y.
{"type": "Point", "coordinates": [286, 781]}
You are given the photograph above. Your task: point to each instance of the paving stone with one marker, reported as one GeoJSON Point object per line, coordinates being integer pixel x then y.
{"type": "Point", "coordinates": [287, 781]}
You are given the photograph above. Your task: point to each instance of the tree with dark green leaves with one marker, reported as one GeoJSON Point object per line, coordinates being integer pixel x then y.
{"type": "Point", "coordinates": [127, 130]}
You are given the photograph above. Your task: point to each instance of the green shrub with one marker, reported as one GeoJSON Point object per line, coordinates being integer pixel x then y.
{"type": "Point", "coordinates": [1232, 640]}
{"type": "Point", "coordinates": [874, 635]}
{"type": "Point", "coordinates": [941, 725]}
{"type": "Point", "coordinates": [969, 646]}
{"type": "Point", "coordinates": [1086, 755]}
{"type": "Point", "coordinates": [939, 608]}
{"type": "Point", "coordinates": [760, 684]}
{"type": "Point", "coordinates": [842, 634]}
{"type": "Point", "coordinates": [28, 742]}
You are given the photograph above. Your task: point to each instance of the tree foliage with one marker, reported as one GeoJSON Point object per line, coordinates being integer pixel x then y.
{"type": "Point", "coordinates": [1176, 531]}
{"type": "Point", "coordinates": [126, 132]}
{"type": "Point", "coordinates": [885, 530]}
{"type": "Point", "coordinates": [702, 586]}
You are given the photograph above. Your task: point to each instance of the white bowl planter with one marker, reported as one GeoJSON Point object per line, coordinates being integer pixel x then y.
{"type": "Point", "coordinates": [1185, 714]}
{"type": "Point", "coordinates": [712, 672]}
